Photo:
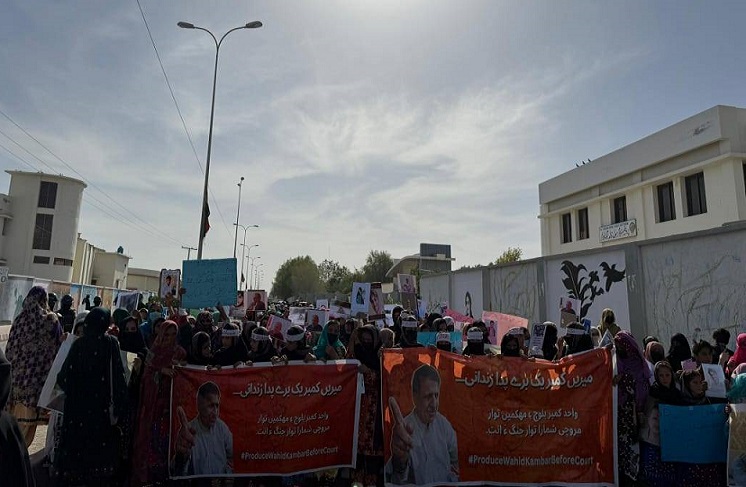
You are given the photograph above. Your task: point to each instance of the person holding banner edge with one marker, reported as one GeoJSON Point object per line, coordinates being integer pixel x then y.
{"type": "Point", "coordinates": [424, 447]}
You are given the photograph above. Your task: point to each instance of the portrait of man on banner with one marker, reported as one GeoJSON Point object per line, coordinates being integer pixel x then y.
{"type": "Point", "coordinates": [204, 445]}
{"type": "Point", "coordinates": [424, 448]}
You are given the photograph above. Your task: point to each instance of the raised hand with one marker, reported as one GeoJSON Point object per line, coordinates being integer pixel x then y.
{"type": "Point", "coordinates": [401, 439]}
{"type": "Point", "coordinates": [185, 438]}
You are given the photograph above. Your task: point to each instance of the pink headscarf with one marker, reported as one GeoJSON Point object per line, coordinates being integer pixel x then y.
{"type": "Point", "coordinates": [739, 357]}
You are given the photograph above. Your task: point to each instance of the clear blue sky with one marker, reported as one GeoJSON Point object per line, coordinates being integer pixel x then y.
{"type": "Point", "coordinates": [358, 125]}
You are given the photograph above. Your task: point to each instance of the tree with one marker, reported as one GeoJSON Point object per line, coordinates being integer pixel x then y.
{"type": "Point", "coordinates": [377, 264]}
{"type": "Point", "coordinates": [335, 277]}
{"type": "Point", "coordinates": [511, 254]}
{"type": "Point", "coordinates": [297, 277]}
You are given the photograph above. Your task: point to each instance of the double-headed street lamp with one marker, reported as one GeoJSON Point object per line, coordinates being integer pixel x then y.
{"type": "Point", "coordinates": [245, 229]}
{"type": "Point", "coordinates": [186, 25]}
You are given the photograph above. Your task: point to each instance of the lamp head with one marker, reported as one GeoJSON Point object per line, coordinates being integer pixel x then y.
{"type": "Point", "coordinates": [253, 25]}
{"type": "Point", "coordinates": [185, 25]}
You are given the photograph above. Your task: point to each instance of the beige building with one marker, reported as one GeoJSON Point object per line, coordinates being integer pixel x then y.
{"type": "Point", "coordinates": [684, 178]}
{"type": "Point", "coordinates": [39, 218]}
{"type": "Point", "coordinates": [143, 279]}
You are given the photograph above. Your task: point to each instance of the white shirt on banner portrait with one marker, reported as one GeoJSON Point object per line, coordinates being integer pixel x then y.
{"type": "Point", "coordinates": [212, 453]}
{"type": "Point", "coordinates": [434, 457]}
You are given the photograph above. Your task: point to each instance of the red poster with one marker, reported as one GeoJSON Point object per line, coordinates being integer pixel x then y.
{"type": "Point", "coordinates": [264, 420]}
{"type": "Point", "coordinates": [450, 419]}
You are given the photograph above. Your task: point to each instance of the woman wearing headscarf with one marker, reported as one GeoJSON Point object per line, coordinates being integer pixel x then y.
{"type": "Point", "coordinates": [576, 340]}
{"type": "Point", "coordinates": [130, 338]}
{"type": "Point", "coordinates": [95, 401]}
{"type": "Point", "coordinates": [679, 351]}
{"type": "Point", "coordinates": [32, 345]}
{"type": "Point", "coordinates": [475, 341]}
{"type": "Point", "coordinates": [654, 471]}
{"type": "Point", "coordinates": [608, 323]}
{"type": "Point", "coordinates": [233, 351]}
{"type": "Point", "coordinates": [150, 455]}
{"type": "Point", "coordinates": [549, 344]}
{"type": "Point", "coordinates": [510, 346]}
{"type": "Point", "coordinates": [370, 436]}
{"type": "Point", "coordinates": [296, 347]}
{"type": "Point", "coordinates": [632, 381]}
{"type": "Point", "coordinates": [739, 357]}
{"type": "Point", "coordinates": [15, 467]}
{"type": "Point", "coordinates": [654, 353]}
{"type": "Point", "coordinates": [201, 351]}
{"type": "Point", "coordinates": [260, 346]}
{"type": "Point", "coordinates": [329, 347]}
{"type": "Point", "coordinates": [693, 387]}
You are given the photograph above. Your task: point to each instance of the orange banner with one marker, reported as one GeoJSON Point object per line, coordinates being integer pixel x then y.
{"type": "Point", "coordinates": [264, 420]}
{"type": "Point", "coordinates": [498, 420]}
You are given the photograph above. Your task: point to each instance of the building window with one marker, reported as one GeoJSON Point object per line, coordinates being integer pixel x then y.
{"type": "Point", "coordinates": [666, 204]}
{"type": "Point", "coordinates": [61, 261]}
{"type": "Point", "coordinates": [47, 194]}
{"type": "Point", "coordinates": [43, 232]}
{"type": "Point", "coordinates": [696, 200]}
{"type": "Point", "coordinates": [566, 228]}
{"type": "Point", "coordinates": [38, 259]}
{"type": "Point", "coordinates": [583, 224]}
{"type": "Point", "coordinates": [620, 210]}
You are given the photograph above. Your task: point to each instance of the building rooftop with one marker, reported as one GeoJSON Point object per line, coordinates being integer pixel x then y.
{"type": "Point", "coordinates": [46, 176]}
{"type": "Point", "coordinates": [712, 125]}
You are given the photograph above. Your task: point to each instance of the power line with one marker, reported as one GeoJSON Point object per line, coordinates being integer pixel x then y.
{"type": "Point", "coordinates": [86, 195]}
{"type": "Point", "coordinates": [90, 183]}
{"type": "Point", "coordinates": [178, 110]}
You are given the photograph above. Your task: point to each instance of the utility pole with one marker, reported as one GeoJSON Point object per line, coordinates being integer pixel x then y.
{"type": "Point", "coordinates": [189, 251]}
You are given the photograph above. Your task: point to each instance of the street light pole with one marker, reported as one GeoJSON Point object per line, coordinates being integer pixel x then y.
{"type": "Point", "coordinates": [238, 212]}
{"type": "Point", "coordinates": [248, 256]}
{"type": "Point", "coordinates": [256, 277]}
{"type": "Point", "coordinates": [187, 25]}
{"type": "Point", "coordinates": [245, 229]}
{"type": "Point", "coordinates": [251, 272]}
{"type": "Point", "coordinates": [248, 281]}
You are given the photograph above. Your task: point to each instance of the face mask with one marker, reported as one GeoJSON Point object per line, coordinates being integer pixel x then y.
{"type": "Point", "coordinates": [410, 336]}
{"type": "Point", "coordinates": [152, 316]}
{"type": "Point", "coordinates": [609, 320]}
{"type": "Point", "coordinates": [444, 346]}
{"type": "Point", "coordinates": [332, 337]}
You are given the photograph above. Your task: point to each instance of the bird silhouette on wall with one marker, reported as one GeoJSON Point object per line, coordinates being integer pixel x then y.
{"type": "Point", "coordinates": [611, 274]}
{"type": "Point", "coordinates": [584, 285]}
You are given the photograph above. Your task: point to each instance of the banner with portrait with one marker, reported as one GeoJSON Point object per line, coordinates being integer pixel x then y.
{"type": "Point", "coordinates": [264, 419]}
{"type": "Point", "coordinates": [498, 421]}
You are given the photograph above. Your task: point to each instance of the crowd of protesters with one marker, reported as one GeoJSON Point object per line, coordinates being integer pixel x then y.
{"type": "Point", "coordinates": [116, 433]}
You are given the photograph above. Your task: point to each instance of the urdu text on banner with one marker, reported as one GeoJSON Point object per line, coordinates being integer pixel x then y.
{"type": "Point", "coordinates": [264, 419]}
{"type": "Point", "coordinates": [450, 419]}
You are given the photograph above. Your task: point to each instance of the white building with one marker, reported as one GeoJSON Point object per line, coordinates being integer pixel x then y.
{"type": "Point", "coordinates": [39, 219]}
{"type": "Point", "coordinates": [687, 177]}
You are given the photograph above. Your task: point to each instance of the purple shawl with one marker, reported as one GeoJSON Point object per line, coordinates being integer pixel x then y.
{"type": "Point", "coordinates": [634, 366]}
